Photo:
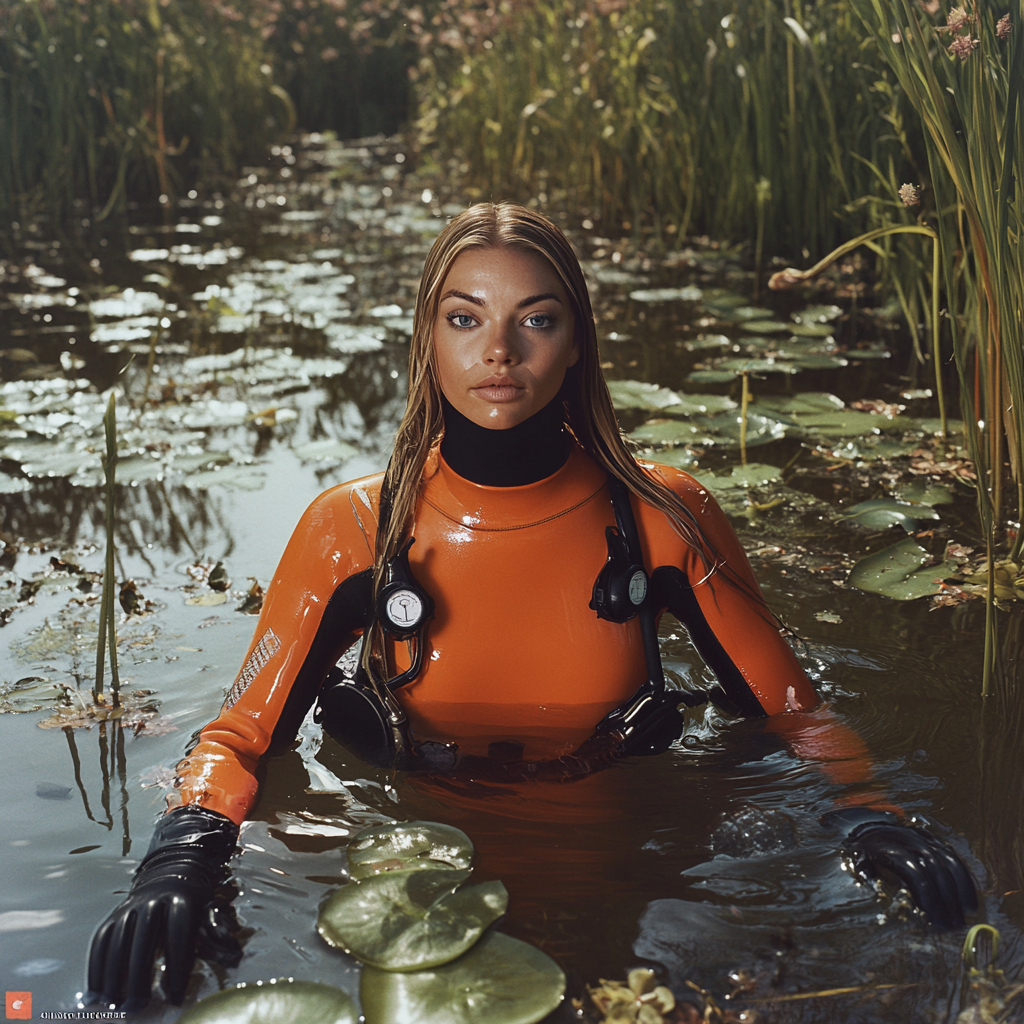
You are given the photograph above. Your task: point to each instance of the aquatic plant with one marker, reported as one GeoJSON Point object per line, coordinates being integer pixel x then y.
{"type": "Point", "coordinates": [107, 631]}
{"type": "Point", "coordinates": [687, 118]}
{"type": "Point", "coordinates": [961, 69]}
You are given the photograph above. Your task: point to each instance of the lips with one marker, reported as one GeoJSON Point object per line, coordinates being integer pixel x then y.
{"type": "Point", "coordinates": [499, 389]}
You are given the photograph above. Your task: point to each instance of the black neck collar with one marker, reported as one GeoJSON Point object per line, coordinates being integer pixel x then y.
{"type": "Point", "coordinates": [523, 454]}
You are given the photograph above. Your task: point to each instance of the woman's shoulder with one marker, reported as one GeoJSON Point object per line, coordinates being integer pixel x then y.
{"type": "Point", "coordinates": [353, 505]}
{"type": "Point", "coordinates": [676, 480]}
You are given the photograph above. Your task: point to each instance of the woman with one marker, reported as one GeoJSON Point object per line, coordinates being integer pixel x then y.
{"type": "Point", "coordinates": [504, 574]}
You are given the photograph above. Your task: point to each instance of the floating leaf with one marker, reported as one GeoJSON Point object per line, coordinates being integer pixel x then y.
{"type": "Point", "coordinates": [805, 401]}
{"type": "Point", "coordinates": [765, 326]}
{"type": "Point", "coordinates": [816, 314]}
{"type": "Point", "coordinates": [700, 405]}
{"type": "Point", "coordinates": [691, 293]}
{"type": "Point", "coordinates": [757, 366]}
{"type": "Point", "coordinates": [868, 353]}
{"type": "Point", "coordinates": [636, 394]}
{"type": "Point", "coordinates": [707, 341]}
{"type": "Point", "coordinates": [897, 572]}
{"type": "Point", "coordinates": [407, 846]}
{"type": "Point", "coordinates": [844, 423]}
{"type": "Point", "coordinates": [669, 432]}
{"type": "Point", "coordinates": [872, 447]}
{"type": "Point", "coordinates": [276, 1002]}
{"type": "Point", "coordinates": [410, 920]}
{"type": "Point", "coordinates": [925, 492]}
{"type": "Point", "coordinates": [210, 600]}
{"type": "Point", "coordinates": [711, 377]}
{"type": "Point", "coordinates": [745, 313]}
{"type": "Point", "coordinates": [499, 981]}
{"type": "Point", "coordinates": [881, 513]}
{"type": "Point", "coordinates": [760, 429]}
{"type": "Point", "coordinates": [244, 478]}
{"type": "Point", "coordinates": [678, 458]}
{"type": "Point", "coordinates": [811, 330]}
{"type": "Point", "coordinates": [326, 449]}
{"type": "Point", "coordinates": [754, 474]}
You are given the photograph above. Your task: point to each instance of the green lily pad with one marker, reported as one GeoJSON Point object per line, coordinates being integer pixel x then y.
{"type": "Point", "coordinates": [410, 920]}
{"type": "Point", "coordinates": [743, 313]}
{"type": "Point", "coordinates": [804, 402]}
{"type": "Point", "coordinates": [669, 432]}
{"type": "Point", "coordinates": [819, 361]}
{"type": "Point", "coordinates": [407, 846]}
{"type": "Point", "coordinates": [924, 492]}
{"type": "Point", "coordinates": [699, 405]}
{"type": "Point", "coordinates": [898, 572]}
{"type": "Point", "coordinates": [865, 449]}
{"type": "Point", "coordinates": [637, 394]}
{"type": "Point", "coordinates": [811, 330]}
{"type": "Point", "coordinates": [327, 448]}
{"type": "Point", "coordinates": [881, 513]}
{"type": "Point", "coordinates": [500, 981]}
{"type": "Point", "coordinates": [954, 428]}
{"type": "Point", "coordinates": [691, 293]}
{"type": "Point", "coordinates": [868, 353]}
{"type": "Point", "coordinates": [711, 377]}
{"type": "Point", "coordinates": [678, 458]}
{"type": "Point", "coordinates": [275, 1002]}
{"type": "Point", "coordinates": [707, 341]}
{"type": "Point", "coordinates": [816, 314]}
{"type": "Point", "coordinates": [754, 474]}
{"type": "Point", "coordinates": [765, 326]}
{"type": "Point", "coordinates": [757, 366]}
{"type": "Point", "coordinates": [843, 423]}
{"type": "Point", "coordinates": [760, 429]}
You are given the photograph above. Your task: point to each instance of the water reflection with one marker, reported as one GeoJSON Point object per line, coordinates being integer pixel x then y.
{"type": "Point", "coordinates": [113, 773]}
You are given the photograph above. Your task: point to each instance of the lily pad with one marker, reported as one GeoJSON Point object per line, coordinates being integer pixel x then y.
{"type": "Point", "coordinates": [881, 513]}
{"type": "Point", "coordinates": [669, 432]}
{"type": "Point", "coordinates": [700, 405]}
{"type": "Point", "coordinates": [410, 920]}
{"type": "Point", "coordinates": [925, 492]}
{"type": "Point", "coordinates": [678, 458]}
{"type": "Point", "coordinates": [745, 313]}
{"type": "Point", "coordinates": [637, 394]}
{"type": "Point", "coordinates": [816, 314]}
{"type": "Point", "coordinates": [756, 366]}
{"type": "Point", "coordinates": [765, 326]}
{"type": "Point", "coordinates": [898, 572]}
{"type": "Point", "coordinates": [843, 423]}
{"type": "Point", "coordinates": [324, 449]}
{"type": "Point", "coordinates": [276, 1002]}
{"type": "Point", "coordinates": [811, 330]}
{"type": "Point", "coordinates": [865, 449]}
{"type": "Point", "coordinates": [754, 474]}
{"type": "Point", "coordinates": [691, 293]}
{"type": "Point", "coordinates": [711, 377]}
{"type": "Point", "coordinates": [408, 846]}
{"type": "Point", "coordinates": [805, 401]}
{"type": "Point", "coordinates": [500, 981]}
{"type": "Point", "coordinates": [760, 429]}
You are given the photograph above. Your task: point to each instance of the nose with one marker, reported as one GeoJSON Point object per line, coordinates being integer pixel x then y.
{"type": "Point", "coordinates": [503, 345]}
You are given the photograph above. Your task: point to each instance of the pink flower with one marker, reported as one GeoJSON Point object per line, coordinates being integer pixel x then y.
{"type": "Point", "coordinates": [909, 195]}
{"type": "Point", "coordinates": [962, 47]}
{"type": "Point", "coordinates": [1003, 27]}
{"type": "Point", "coordinates": [958, 17]}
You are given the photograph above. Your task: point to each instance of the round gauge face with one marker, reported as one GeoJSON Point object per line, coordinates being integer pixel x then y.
{"type": "Point", "coordinates": [404, 609]}
{"type": "Point", "coordinates": [638, 587]}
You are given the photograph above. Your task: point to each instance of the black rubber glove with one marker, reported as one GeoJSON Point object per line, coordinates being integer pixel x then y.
{"type": "Point", "coordinates": [172, 903]}
{"type": "Point", "coordinates": [933, 874]}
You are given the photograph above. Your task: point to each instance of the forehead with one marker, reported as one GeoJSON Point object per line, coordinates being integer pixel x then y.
{"type": "Point", "coordinates": [502, 269]}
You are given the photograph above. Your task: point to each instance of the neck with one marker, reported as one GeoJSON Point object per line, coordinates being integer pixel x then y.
{"type": "Point", "coordinates": [523, 454]}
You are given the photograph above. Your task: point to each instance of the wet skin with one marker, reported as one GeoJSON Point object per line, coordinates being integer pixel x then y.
{"type": "Point", "coordinates": [504, 335]}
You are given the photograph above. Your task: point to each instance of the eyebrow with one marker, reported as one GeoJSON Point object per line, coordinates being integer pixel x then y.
{"type": "Point", "coordinates": [529, 301]}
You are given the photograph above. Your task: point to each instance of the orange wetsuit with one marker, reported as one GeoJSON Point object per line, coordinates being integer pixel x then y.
{"type": "Point", "coordinates": [514, 652]}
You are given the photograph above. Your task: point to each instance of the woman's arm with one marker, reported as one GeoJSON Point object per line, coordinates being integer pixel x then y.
{"type": "Point", "coordinates": [315, 607]}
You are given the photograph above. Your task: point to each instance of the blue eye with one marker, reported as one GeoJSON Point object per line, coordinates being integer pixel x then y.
{"type": "Point", "coordinates": [460, 320]}
{"type": "Point", "coordinates": [540, 320]}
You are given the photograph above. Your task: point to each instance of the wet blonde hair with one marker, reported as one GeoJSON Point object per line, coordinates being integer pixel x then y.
{"type": "Point", "coordinates": [589, 414]}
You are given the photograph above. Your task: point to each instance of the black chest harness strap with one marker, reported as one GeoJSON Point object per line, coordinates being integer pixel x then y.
{"type": "Point", "coordinates": [369, 720]}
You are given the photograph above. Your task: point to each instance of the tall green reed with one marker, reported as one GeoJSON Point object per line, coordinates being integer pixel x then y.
{"type": "Point", "coordinates": [106, 634]}
{"type": "Point", "coordinates": [734, 120]}
{"type": "Point", "coordinates": [961, 68]}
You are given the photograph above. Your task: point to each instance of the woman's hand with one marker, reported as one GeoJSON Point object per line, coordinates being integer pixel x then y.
{"type": "Point", "coordinates": [934, 875]}
{"type": "Point", "coordinates": [172, 900]}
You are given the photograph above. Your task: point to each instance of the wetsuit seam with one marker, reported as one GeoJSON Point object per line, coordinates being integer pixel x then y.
{"type": "Point", "coordinates": [521, 526]}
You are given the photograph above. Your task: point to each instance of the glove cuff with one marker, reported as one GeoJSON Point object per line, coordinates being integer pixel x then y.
{"type": "Point", "coordinates": [195, 832]}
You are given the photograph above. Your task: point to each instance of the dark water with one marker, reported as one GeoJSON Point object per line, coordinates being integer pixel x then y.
{"type": "Point", "coordinates": [644, 862]}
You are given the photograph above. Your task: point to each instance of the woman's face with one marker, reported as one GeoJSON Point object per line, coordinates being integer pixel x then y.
{"type": "Point", "coordinates": [504, 335]}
